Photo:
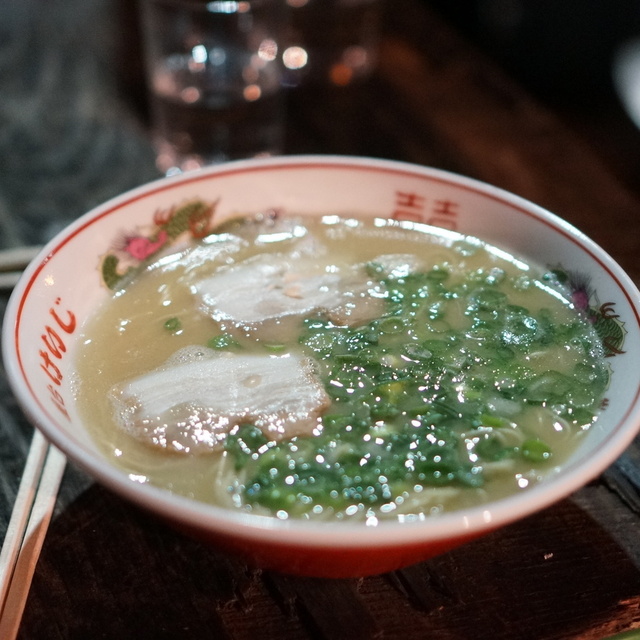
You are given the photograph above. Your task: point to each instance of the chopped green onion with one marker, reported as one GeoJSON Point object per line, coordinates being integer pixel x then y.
{"type": "Point", "coordinates": [173, 324]}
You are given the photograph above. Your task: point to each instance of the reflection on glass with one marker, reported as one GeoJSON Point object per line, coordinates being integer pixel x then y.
{"type": "Point", "coordinates": [332, 41]}
{"type": "Point", "coordinates": [228, 6]}
{"type": "Point", "coordinates": [294, 58]}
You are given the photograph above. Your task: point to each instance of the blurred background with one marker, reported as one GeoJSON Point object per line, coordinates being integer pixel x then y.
{"type": "Point", "coordinates": [568, 54]}
{"type": "Point", "coordinates": [73, 111]}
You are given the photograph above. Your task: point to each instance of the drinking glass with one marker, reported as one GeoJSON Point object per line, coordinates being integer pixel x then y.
{"type": "Point", "coordinates": [214, 75]}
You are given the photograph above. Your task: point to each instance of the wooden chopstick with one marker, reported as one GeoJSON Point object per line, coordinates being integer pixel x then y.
{"type": "Point", "coordinates": [12, 262]}
{"type": "Point", "coordinates": [9, 280]}
{"type": "Point", "coordinates": [36, 495]}
{"type": "Point", "coordinates": [27, 528]}
{"type": "Point", "coordinates": [17, 258]}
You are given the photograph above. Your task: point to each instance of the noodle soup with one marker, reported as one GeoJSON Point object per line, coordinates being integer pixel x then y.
{"type": "Point", "coordinates": [337, 368]}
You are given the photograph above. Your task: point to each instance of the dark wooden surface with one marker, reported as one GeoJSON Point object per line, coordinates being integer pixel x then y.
{"type": "Point", "coordinates": [72, 133]}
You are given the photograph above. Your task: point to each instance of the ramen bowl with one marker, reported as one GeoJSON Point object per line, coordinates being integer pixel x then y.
{"type": "Point", "coordinates": [65, 284]}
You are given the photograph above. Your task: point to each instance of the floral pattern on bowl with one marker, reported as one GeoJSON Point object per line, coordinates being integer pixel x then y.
{"type": "Point", "coordinates": [192, 219]}
{"type": "Point", "coordinates": [602, 315]}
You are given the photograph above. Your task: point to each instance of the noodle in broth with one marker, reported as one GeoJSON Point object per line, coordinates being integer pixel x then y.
{"type": "Point", "coordinates": [333, 367]}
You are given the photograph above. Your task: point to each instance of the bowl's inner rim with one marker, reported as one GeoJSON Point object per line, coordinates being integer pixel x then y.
{"type": "Point", "coordinates": [506, 509]}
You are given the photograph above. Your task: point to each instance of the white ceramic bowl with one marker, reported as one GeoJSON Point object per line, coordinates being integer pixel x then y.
{"type": "Point", "coordinates": [63, 286]}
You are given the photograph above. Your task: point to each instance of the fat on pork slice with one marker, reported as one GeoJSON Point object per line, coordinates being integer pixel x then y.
{"type": "Point", "coordinates": [270, 288]}
{"type": "Point", "coordinates": [192, 403]}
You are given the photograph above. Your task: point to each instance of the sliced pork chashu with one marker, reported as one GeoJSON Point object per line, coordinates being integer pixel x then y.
{"type": "Point", "coordinates": [265, 287]}
{"type": "Point", "coordinates": [264, 291]}
{"type": "Point", "coordinates": [192, 403]}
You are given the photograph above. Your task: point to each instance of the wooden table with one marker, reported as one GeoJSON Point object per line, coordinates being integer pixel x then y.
{"type": "Point", "coordinates": [108, 570]}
